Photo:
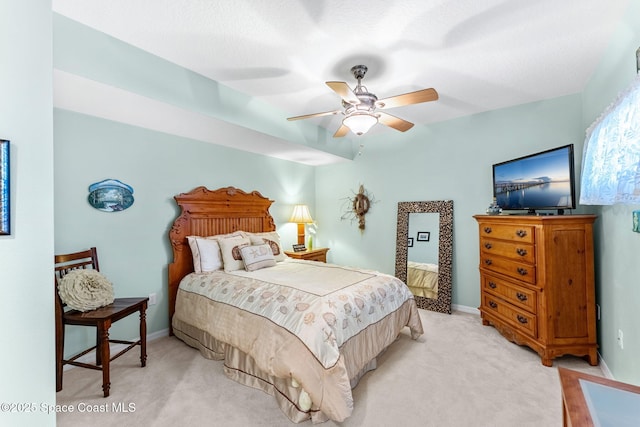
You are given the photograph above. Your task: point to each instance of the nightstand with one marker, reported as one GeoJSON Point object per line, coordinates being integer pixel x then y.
{"type": "Point", "coordinates": [318, 254]}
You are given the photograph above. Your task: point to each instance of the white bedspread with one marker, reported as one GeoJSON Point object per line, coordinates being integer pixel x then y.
{"type": "Point", "coordinates": [323, 304]}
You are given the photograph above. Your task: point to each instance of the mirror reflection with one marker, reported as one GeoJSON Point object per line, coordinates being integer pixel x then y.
{"type": "Point", "coordinates": [424, 248]}
{"type": "Point", "coordinates": [422, 254]}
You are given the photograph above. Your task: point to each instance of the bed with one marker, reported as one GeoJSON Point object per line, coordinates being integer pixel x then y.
{"type": "Point", "coordinates": [302, 331]}
{"type": "Point", "coordinates": [422, 279]}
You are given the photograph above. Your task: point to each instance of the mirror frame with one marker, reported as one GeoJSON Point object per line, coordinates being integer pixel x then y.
{"type": "Point", "coordinates": [445, 250]}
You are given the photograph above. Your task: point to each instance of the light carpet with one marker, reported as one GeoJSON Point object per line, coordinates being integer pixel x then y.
{"type": "Point", "coordinates": [459, 373]}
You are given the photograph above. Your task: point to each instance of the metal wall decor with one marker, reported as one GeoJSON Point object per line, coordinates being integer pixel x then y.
{"type": "Point", "coordinates": [110, 195]}
{"type": "Point", "coordinates": [358, 206]}
{"type": "Point", "coordinates": [5, 207]}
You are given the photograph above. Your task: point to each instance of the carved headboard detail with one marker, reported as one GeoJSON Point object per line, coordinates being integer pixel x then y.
{"type": "Point", "coordinates": [207, 212]}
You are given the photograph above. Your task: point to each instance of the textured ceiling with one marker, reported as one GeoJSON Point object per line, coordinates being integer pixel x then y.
{"type": "Point", "coordinates": [478, 55]}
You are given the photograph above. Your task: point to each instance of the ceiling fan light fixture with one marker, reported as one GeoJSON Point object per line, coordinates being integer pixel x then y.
{"type": "Point", "coordinates": [360, 123]}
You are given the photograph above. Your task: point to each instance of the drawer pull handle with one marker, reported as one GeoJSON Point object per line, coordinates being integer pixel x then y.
{"type": "Point", "coordinates": [492, 285]}
{"type": "Point", "coordinates": [521, 233]}
{"type": "Point", "coordinates": [488, 262]}
{"type": "Point", "coordinates": [522, 319]}
{"type": "Point", "coordinates": [488, 245]}
{"type": "Point", "coordinates": [487, 230]}
{"type": "Point", "coordinates": [521, 252]}
{"type": "Point", "coordinates": [493, 304]}
{"type": "Point", "coordinates": [521, 297]}
{"type": "Point", "coordinates": [522, 271]}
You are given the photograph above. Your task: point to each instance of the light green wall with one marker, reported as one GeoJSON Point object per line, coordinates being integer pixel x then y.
{"type": "Point", "coordinates": [445, 161]}
{"type": "Point", "coordinates": [617, 246]}
{"type": "Point", "coordinates": [27, 363]}
{"type": "Point", "coordinates": [133, 245]}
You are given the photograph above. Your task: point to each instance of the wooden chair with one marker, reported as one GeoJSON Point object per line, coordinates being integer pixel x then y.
{"type": "Point", "coordinates": [100, 318]}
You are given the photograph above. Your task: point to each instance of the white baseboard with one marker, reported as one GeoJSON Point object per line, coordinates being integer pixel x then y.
{"type": "Point", "coordinates": [465, 309]}
{"type": "Point", "coordinates": [605, 369]}
{"type": "Point", "coordinates": [115, 348]}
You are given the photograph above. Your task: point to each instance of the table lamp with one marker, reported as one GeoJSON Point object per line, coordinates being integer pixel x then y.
{"type": "Point", "coordinates": [301, 216]}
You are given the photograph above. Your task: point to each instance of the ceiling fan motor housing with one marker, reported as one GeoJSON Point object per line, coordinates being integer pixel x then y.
{"type": "Point", "coordinates": [359, 71]}
{"type": "Point", "coordinates": [367, 102]}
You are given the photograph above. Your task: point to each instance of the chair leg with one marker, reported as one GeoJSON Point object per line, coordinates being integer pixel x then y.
{"type": "Point", "coordinates": [98, 347]}
{"type": "Point", "coordinates": [59, 354]}
{"type": "Point", "coordinates": [143, 335]}
{"type": "Point", "coordinates": [105, 354]}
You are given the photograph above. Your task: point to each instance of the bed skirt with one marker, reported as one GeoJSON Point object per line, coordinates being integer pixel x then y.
{"type": "Point", "coordinates": [242, 368]}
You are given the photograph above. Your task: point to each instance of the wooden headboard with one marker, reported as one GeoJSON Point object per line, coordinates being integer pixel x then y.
{"type": "Point", "coordinates": [207, 213]}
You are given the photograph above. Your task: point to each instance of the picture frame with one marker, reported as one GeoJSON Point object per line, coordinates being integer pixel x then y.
{"type": "Point", "coordinates": [5, 206]}
{"type": "Point", "coordinates": [423, 236]}
{"type": "Point", "coordinates": [410, 242]}
{"type": "Point", "coordinates": [299, 248]}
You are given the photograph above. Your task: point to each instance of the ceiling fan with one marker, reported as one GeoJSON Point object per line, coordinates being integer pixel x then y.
{"type": "Point", "coordinates": [361, 107]}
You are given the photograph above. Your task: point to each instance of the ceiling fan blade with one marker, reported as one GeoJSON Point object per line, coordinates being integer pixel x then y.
{"type": "Point", "coordinates": [345, 92]}
{"type": "Point", "coordinates": [342, 131]}
{"type": "Point", "coordinates": [394, 122]}
{"type": "Point", "coordinates": [307, 116]}
{"type": "Point", "coordinates": [424, 95]}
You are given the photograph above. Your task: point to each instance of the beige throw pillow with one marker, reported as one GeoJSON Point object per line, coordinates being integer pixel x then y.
{"type": "Point", "coordinates": [231, 256]}
{"type": "Point", "coordinates": [256, 257]}
{"type": "Point", "coordinates": [271, 238]}
{"type": "Point", "coordinates": [85, 290]}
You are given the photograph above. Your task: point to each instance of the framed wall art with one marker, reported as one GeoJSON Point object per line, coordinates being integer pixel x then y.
{"type": "Point", "coordinates": [423, 236]}
{"type": "Point", "coordinates": [110, 195]}
{"type": "Point", "coordinates": [5, 207]}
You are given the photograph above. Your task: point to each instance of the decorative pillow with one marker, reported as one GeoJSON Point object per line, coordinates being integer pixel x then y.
{"type": "Point", "coordinates": [272, 239]}
{"type": "Point", "coordinates": [206, 254]}
{"type": "Point", "coordinates": [85, 290]}
{"type": "Point", "coordinates": [256, 257]}
{"type": "Point", "coordinates": [206, 251]}
{"type": "Point", "coordinates": [231, 256]}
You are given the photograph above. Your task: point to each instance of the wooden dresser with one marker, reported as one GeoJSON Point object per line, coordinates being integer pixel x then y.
{"type": "Point", "coordinates": [537, 282]}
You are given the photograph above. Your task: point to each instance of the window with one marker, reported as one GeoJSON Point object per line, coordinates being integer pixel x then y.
{"type": "Point", "coordinates": [611, 159]}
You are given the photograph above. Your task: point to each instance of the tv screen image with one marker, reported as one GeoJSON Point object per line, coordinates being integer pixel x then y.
{"type": "Point", "coordinates": [543, 180]}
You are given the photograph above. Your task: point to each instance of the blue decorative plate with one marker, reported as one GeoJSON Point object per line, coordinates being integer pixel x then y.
{"type": "Point", "coordinates": [110, 195]}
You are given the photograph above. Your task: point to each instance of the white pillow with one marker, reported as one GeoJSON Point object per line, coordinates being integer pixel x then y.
{"type": "Point", "coordinates": [231, 256]}
{"type": "Point", "coordinates": [206, 253]}
{"type": "Point", "coordinates": [272, 239]}
{"type": "Point", "coordinates": [256, 257]}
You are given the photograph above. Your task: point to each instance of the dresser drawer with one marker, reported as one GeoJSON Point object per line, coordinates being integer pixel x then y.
{"type": "Point", "coordinates": [525, 322]}
{"type": "Point", "coordinates": [519, 251]}
{"type": "Point", "coordinates": [518, 270]}
{"type": "Point", "coordinates": [518, 233]}
{"type": "Point", "coordinates": [517, 295]}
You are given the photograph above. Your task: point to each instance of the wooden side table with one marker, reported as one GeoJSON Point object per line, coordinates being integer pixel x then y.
{"type": "Point", "coordinates": [318, 254]}
{"type": "Point", "coordinates": [575, 406]}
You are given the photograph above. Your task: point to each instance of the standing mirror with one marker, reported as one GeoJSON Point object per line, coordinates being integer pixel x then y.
{"type": "Point", "coordinates": [424, 248]}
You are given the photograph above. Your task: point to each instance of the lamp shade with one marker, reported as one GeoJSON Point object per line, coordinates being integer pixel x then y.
{"type": "Point", "coordinates": [301, 215]}
{"type": "Point", "coordinates": [360, 123]}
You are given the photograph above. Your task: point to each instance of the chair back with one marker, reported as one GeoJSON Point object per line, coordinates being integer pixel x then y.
{"type": "Point", "coordinates": [65, 263]}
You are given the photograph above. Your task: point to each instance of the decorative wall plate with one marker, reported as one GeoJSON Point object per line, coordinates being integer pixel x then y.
{"type": "Point", "coordinates": [110, 195]}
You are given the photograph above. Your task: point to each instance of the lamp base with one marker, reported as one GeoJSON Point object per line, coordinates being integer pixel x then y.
{"type": "Point", "coordinates": [301, 233]}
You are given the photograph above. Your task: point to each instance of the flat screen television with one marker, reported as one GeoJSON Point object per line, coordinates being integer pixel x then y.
{"type": "Point", "coordinates": [540, 181]}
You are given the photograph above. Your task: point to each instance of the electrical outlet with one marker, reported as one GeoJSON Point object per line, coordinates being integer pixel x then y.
{"type": "Point", "coordinates": [620, 339]}
{"type": "Point", "coordinates": [152, 299]}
